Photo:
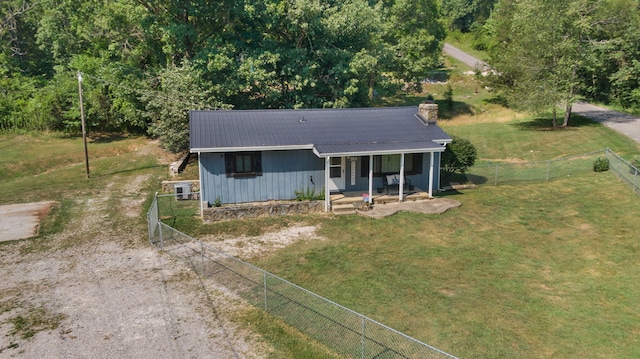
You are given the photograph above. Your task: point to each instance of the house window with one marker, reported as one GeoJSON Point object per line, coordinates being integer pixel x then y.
{"type": "Point", "coordinates": [243, 164]}
{"type": "Point", "coordinates": [391, 164]}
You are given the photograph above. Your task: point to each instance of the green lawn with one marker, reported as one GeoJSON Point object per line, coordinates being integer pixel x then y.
{"type": "Point", "coordinates": [527, 271]}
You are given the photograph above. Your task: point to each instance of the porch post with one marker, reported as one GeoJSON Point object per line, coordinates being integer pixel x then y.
{"type": "Point", "coordinates": [431, 175]}
{"type": "Point", "coordinates": [401, 187]}
{"type": "Point", "coordinates": [327, 191]}
{"type": "Point", "coordinates": [370, 178]}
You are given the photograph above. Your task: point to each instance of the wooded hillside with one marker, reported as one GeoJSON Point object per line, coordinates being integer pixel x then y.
{"type": "Point", "coordinates": [145, 63]}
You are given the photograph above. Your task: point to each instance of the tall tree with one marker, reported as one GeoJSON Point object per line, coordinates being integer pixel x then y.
{"type": "Point", "coordinates": [176, 90]}
{"type": "Point", "coordinates": [415, 31]}
{"type": "Point", "coordinates": [536, 62]}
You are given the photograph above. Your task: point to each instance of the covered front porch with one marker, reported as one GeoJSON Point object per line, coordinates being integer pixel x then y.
{"type": "Point", "coordinates": [348, 202]}
{"type": "Point", "coordinates": [394, 176]}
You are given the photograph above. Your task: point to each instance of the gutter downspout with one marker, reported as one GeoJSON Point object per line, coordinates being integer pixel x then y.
{"type": "Point", "coordinates": [401, 187]}
{"type": "Point", "coordinates": [327, 191]}
{"type": "Point", "coordinates": [370, 179]}
{"type": "Point", "coordinates": [201, 186]}
{"type": "Point", "coordinates": [431, 175]}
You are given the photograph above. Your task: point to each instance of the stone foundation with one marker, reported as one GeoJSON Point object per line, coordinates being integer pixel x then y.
{"type": "Point", "coordinates": [168, 186]}
{"type": "Point", "coordinates": [255, 210]}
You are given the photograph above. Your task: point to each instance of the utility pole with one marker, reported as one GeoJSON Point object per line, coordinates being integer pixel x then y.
{"type": "Point", "coordinates": [84, 131]}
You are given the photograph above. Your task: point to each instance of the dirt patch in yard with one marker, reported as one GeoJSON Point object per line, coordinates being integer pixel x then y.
{"type": "Point", "coordinates": [247, 247]}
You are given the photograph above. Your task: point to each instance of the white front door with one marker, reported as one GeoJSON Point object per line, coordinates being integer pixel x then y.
{"type": "Point", "coordinates": [336, 174]}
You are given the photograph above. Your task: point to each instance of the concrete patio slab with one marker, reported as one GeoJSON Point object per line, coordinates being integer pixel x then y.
{"type": "Point", "coordinates": [429, 206]}
{"type": "Point", "coordinates": [19, 221]}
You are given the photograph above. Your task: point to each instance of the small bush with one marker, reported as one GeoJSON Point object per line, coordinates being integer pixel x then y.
{"type": "Point", "coordinates": [601, 165]}
{"type": "Point", "coordinates": [309, 194]}
{"type": "Point", "coordinates": [217, 202]}
{"type": "Point", "coordinates": [458, 156]}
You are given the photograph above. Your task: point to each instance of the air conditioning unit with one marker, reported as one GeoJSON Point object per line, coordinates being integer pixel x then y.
{"type": "Point", "coordinates": [183, 191]}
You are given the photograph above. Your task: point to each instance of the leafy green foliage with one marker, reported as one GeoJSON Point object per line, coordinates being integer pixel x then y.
{"type": "Point", "coordinates": [601, 164]}
{"type": "Point", "coordinates": [582, 48]}
{"type": "Point", "coordinates": [182, 90]}
{"type": "Point", "coordinates": [309, 194]}
{"type": "Point", "coordinates": [147, 62]}
{"type": "Point", "coordinates": [459, 155]}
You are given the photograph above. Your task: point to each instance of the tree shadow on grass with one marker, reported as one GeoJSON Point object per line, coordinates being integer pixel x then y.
{"type": "Point", "coordinates": [448, 111]}
{"type": "Point", "coordinates": [466, 178]}
{"type": "Point", "coordinates": [107, 137]}
{"type": "Point", "coordinates": [545, 123]}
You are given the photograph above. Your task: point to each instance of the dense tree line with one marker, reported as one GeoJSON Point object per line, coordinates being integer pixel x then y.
{"type": "Point", "coordinates": [546, 55]}
{"type": "Point", "coordinates": [549, 54]}
{"type": "Point", "coordinates": [146, 62]}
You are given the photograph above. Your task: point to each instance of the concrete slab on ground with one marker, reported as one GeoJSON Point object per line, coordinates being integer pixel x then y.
{"type": "Point", "coordinates": [428, 206]}
{"type": "Point", "coordinates": [19, 221]}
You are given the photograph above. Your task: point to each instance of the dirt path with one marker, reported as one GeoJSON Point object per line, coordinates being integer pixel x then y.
{"type": "Point", "coordinates": [109, 294]}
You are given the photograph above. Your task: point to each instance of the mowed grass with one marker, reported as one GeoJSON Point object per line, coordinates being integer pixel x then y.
{"type": "Point", "coordinates": [50, 167]}
{"type": "Point", "coordinates": [527, 271]}
{"type": "Point", "coordinates": [518, 271]}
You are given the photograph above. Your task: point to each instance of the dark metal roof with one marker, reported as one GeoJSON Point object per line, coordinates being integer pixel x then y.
{"type": "Point", "coordinates": [351, 131]}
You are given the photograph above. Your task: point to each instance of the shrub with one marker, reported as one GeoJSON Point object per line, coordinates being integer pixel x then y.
{"type": "Point", "coordinates": [601, 164]}
{"type": "Point", "coordinates": [309, 194]}
{"type": "Point", "coordinates": [459, 155]}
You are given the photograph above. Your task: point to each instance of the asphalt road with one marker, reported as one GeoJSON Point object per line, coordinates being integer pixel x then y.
{"type": "Point", "coordinates": [464, 57]}
{"type": "Point", "coordinates": [623, 123]}
{"type": "Point", "coordinates": [626, 124]}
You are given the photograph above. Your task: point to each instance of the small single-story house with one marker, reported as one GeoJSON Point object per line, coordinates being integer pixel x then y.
{"type": "Point", "coordinates": [264, 155]}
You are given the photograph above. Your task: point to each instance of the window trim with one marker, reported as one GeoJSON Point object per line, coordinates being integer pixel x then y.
{"type": "Point", "coordinates": [230, 164]}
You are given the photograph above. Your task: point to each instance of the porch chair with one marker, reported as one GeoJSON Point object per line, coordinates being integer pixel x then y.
{"type": "Point", "coordinates": [393, 180]}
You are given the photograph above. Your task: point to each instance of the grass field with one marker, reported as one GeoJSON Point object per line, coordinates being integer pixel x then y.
{"type": "Point", "coordinates": [535, 270]}
{"type": "Point", "coordinates": [527, 271]}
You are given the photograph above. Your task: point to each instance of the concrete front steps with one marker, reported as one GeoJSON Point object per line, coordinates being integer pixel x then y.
{"type": "Point", "coordinates": [347, 204]}
{"type": "Point", "coordinates": [340, 209]}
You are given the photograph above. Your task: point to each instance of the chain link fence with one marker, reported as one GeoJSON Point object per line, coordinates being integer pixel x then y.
{"type": "Point", "coordinates": [539, 171]}
{"type": "Point", "coordinates": [623, 169]}
{"type": "Point", "coordinates": [343, 331]}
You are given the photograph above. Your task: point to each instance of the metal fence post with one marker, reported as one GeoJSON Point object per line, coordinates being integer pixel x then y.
{"type": "Point", "coordinates": [202, 257]}
{"type": "Point", "coordinates": [363, 337]}
{"type": "Point", "coordinates": [496, 179]}
{"type": "Point", "coordinates": [264, 276]}
{"type": "Point", "coordinates": [161, 236]}
{"type": "Point", "coordinates": [548, 169]}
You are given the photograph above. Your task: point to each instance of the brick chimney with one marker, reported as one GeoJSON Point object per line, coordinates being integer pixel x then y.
{"type": "Point", "coordinates": [428, 111]}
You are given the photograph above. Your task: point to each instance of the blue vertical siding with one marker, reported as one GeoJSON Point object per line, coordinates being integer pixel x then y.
{"type": "Point", "coordinates": [283, 172]}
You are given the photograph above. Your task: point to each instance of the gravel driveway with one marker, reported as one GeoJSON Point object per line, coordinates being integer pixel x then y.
{"type": "Point", "coordinates": [99, 291]}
